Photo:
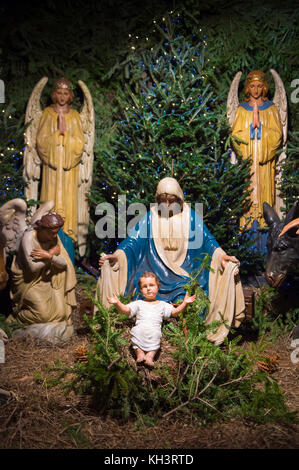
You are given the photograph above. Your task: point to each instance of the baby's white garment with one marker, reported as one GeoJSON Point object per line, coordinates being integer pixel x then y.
{"type": "Point", "coordinates": [146, 334]}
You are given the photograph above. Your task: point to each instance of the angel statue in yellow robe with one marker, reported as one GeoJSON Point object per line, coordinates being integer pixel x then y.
{"type": "Point", "coordinates": [262, 125]}
{"type": "Point", "coordinates": [60, 141]}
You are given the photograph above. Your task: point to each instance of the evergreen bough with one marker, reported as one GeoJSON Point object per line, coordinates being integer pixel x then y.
{"type": "Point", "coordinates": [202, 381]}
{"type": "Point", "coordinates": [11, 155]}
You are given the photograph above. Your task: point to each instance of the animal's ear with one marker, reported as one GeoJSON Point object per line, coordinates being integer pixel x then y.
{"type": "Point", "coordinates": [293, 213]}
{"type": "Point", "coordinates": [270, 215]}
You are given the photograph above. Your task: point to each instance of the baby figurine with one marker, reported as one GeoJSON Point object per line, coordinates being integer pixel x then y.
{"type": "Point", "coordinates": [146, 334]}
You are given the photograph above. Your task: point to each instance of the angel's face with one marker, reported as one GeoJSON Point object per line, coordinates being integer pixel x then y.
{"type": "Point", "coordinates": [62, 96]}
{"type": "Point", "coordinates": [256, 89]}
{"type": "Point", "coordinates": [47, 234]}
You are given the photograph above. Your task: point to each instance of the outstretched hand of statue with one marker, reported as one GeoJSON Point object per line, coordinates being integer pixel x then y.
{"type": "Point", "coordinates": [113, 299]}
{"type": "Point", "coordinates": [189, 299]}
{"type": "Point", "coordinates": [226, 258]}
{"type": "Point", "coordinates": [111, 258]}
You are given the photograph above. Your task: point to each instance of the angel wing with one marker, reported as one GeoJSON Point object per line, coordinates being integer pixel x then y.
{"type": "Point", "coordinates": [12, 224]}
{"type": "Point", "coordinates": [280, 101]}
{"type": "Point", "coordinates": [45, 208]}
{"type": "Point", "coordinates": [85, 167]}
{"type": "Point", "coordinates": [12, 227]}
{"type": "Point", "coordinates": [231, 106]}
{"type": "Point", "coordinates": [32, 162]}
{"type": "Point", "coordinates": [233, 99]}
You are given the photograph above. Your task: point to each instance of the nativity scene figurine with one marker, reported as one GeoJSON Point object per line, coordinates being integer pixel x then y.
{"type": "Point", "coordinates": [163, 242]}
{"type": "Point", "coordinates": [260, 125]}
{"type": "Point", "coordinates": [43, 280]}
{"type": "Point", "coordinates": [58, 157]}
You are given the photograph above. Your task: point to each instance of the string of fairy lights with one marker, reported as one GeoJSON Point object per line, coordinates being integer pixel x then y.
{"type": "Point", "coordinates": [136, 44]}
{"type": "Point", "coordinates": [146, 101]}
{"type": "Point", "coordinates": [16, 156]}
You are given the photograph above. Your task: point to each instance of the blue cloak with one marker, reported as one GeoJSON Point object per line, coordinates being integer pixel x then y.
{"type": "Point", "coordinates": [142, 256]}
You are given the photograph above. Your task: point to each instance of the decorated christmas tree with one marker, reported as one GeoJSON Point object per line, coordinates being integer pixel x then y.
{"type": "Point", "coordinates": [11, 155]}
{"type": "Point", "coordinates": [169, 122]}
{"type": "Point", "coordinates": [290, 171]}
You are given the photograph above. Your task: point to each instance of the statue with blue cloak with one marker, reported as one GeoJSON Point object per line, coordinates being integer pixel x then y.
{"type": "Point", "coordinates": [172, 240]}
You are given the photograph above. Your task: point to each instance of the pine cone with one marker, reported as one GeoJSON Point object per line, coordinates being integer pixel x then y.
{"type": "Point", "coordinates": [270, 364]}
{"type": "Point", "coordinates": [81, 353]}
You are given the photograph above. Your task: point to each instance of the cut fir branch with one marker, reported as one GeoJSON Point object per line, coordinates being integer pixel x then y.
{"type": "Point", "coordinates": [208, 383]}
{"type": "Point", "coordinates": [106, 338]}
{"type": "Point", "coordinates": [289, 186]}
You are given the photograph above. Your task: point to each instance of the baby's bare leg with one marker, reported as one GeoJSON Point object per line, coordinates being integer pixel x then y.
{"type": "Point", "coordinates": [149, 357]}
{"type": "Point", "coordinates": [140, 355]}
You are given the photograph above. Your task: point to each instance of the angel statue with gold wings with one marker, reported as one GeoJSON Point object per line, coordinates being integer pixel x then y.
{"type": "Point", "coordinates": [59, 151]}
{"type": "Point", "coordinates": [262, 126]}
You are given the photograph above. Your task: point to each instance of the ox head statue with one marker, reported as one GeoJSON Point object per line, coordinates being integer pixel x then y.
{"type": "Point", "coordinates": [282, 244]}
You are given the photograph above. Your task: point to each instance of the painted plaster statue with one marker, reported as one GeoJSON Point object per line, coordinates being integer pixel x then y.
{"type": "Point", "coordinates": [60, 146]}
{"type": "Point", "coordinates": [150, 312]}
{"type": "Point", "coordinates": [43, 280]}
{"type": "Point", "coordinates": [171, 240]}
{"type": "Point", "coordinates": [262, 124]}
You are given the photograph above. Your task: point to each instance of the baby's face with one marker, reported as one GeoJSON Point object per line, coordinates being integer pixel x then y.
{"type": "Point", "coordinates": [149, 288]}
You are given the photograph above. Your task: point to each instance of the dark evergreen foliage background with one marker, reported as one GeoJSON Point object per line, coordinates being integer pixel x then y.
{"type": "Point", "coordinates": [90, 41]}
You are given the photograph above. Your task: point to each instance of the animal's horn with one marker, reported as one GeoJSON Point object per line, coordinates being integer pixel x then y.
{"type": "Point", "coordinates": [293, 224]}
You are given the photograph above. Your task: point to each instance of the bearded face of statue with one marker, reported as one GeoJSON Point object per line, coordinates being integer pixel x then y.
{"type": "Point", "coordinates": [167, 199]}
{"type": "Point", "coordinates": [169, 205]}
